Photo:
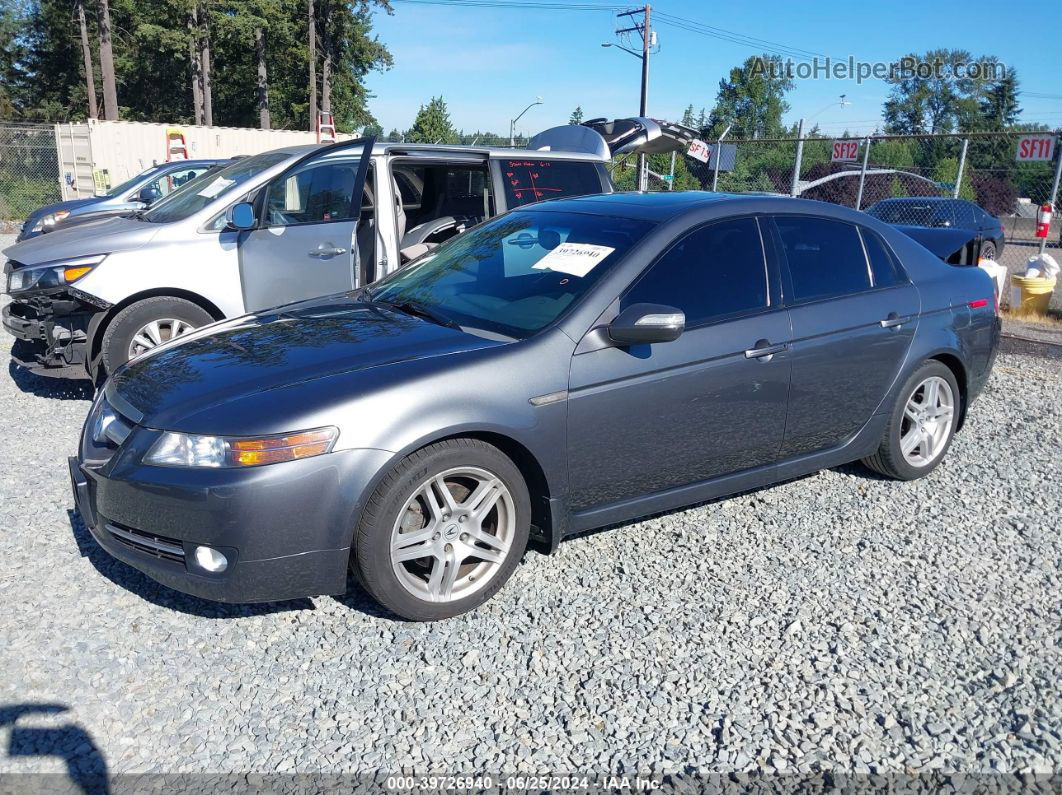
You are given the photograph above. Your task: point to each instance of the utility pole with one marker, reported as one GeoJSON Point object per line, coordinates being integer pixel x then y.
{"type": "Point", "coordinates": [647, 39]}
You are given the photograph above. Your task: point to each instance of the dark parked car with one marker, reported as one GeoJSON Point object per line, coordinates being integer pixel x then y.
{"type": "Point", "coordinates": [945, 213]}
{"type": "Point", "coordinates": [136, 193]}
{"type": "Point", "coordinates": [566, 366]}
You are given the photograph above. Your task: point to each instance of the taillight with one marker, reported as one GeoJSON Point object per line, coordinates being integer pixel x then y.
{"type": "Point", "coordinates": [980, 303]}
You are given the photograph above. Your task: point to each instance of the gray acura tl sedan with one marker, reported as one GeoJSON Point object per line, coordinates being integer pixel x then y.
{"type": "Point", "coordinates": [565, 366]}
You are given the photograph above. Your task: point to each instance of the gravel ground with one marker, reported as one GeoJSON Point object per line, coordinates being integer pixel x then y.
{"type": "Point", "coordinates": [838, 622]}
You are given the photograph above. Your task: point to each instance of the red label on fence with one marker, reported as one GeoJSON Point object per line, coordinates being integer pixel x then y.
{"type": "Point", "coordinates": [699, 150]}
{"type": "Point", "coordinates": [1033, 148]}
{"type": "Point", "coordinates": [845, 151]}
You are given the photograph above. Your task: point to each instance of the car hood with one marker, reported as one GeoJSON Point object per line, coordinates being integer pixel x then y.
{"type": "Point", "coordinates": [100, 237]}
{"type": "Point", "coordinates": [283, 347]}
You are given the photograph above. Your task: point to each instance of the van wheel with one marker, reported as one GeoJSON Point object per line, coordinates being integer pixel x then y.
{"type": "Point", "coordinates": [142, 326]}
{"type": "Point", "coordinates": [444, 530]}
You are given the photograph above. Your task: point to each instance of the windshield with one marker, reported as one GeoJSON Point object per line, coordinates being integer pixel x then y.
{"type": "Point", "coordinates": [209, 187]}
{"type": "Point", "coordinates": [129, 183]}
{"type": "Point", "coordinates": [514, 275]}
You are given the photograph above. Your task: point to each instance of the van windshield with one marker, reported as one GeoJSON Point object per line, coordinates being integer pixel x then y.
{"type": "Point", "coordinates": [183, 203]}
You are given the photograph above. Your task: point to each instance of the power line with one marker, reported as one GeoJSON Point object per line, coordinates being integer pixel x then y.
{"type": "Point", "coordinates": [693, 26]}
{"type": "Point", "coordinates": [525, 4]}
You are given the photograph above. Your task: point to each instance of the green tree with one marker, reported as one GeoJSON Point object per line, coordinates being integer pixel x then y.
{"type": "Point", "coordinates": [688, 119]}
{"type": "Point", "coordinates": [999, 106]}
{"type": "Point", "coordinates": [577, 115]}
{"type": "Point", "coordinates": [752, 99]}
{"type": "Point", "coordinates": [433, 125]}
{"type": "Point", "coordinates": [940, 100]}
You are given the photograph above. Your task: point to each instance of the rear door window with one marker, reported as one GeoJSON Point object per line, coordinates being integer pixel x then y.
{"type": "Point", "coordinates": [825, 258]}
{"type": "Point", "coordinates": [712, 273]}
{"type": "Point", "coordinates": [532, 180]}
{"type": "Point", "coordinates": [883, 265]}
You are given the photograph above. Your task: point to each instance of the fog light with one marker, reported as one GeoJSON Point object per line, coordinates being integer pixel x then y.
{"type": "Point", "coordinates": [210, 559]}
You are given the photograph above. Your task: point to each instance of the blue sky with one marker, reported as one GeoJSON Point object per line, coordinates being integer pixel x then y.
{"type": "Point", "coordinates": [488, 63]}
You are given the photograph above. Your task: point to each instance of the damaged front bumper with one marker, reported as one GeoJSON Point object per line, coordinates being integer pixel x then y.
{"type": "Point", "coordinates": [53, 333]}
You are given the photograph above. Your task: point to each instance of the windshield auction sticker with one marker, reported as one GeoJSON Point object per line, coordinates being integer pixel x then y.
{"type": "Point", "coordinates": [576, 259]}
{"type": "Point", "coordinates": [216, 187]}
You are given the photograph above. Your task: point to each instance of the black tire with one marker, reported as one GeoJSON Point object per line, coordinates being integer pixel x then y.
{"type": "Point", "coordinates": [371, 555]}
{"type": "Point", "coordinates": [889, 459]}
{"type": "Point", "coordinates": [114, 346]}
{"type": "Point", "coordinates": [989, 251]}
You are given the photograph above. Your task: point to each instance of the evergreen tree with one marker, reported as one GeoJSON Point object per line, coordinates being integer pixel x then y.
{"type": "Point", "coordinates": [577, 115]}
{"type": "Point", "coordinates": [433, 125]}
{"type": "Point", "coordinates": [999, 106]}
{"type": "Point", "coordinates": [752, 99]}
{"type": "Point", "coordinates": [688, 119]}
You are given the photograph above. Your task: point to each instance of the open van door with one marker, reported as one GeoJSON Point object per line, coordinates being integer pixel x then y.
{"type": "Point", "coordinates": [606, 138]}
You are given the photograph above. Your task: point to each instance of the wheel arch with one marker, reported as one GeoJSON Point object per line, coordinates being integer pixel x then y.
{"type": "Point", "coordinates": [548, 517]}
{"type": "Point", "coordinates": [99, 323]}
{"type": "Point", "coordinates": [958, 368]}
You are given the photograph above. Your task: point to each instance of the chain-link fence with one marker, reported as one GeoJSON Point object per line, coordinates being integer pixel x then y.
{"type": "Point", "coordinates": [979, 167]}
{"type": "Point", "coordinates": [29, 169]}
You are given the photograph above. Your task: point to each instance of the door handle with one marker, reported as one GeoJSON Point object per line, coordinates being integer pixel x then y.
{"type": "Point", "coordinates": [327, 250]}
{"type": "Point", "coordinates": [765, 351]}
{"type": "Point", "coordinates": [893, 321]}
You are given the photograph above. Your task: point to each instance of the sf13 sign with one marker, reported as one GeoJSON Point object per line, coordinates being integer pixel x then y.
{"type": "Point", "coordinates": [699, 150]}
{"type": "Point", "coordinates": [1032, 148]}
{"type": "Point", "coordinates": [845, 151]}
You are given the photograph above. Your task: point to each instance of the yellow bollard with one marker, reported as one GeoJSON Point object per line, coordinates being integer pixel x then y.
{"type": "Point", "coordinates": [1030, 296]}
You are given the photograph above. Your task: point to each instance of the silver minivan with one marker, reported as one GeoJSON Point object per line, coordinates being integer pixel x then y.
{"type": "Point", "coordinates": [278, 227]}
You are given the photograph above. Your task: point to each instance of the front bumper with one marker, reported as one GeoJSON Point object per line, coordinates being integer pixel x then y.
{"type": "Point", "coordinates": [286, 529]}
{"type": "Point", "coordinates": [53, 334]}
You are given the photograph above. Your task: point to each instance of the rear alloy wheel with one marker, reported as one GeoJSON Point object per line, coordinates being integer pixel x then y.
{"type": "Point", "coordinates": [988, 250]}
{"type": "Point", "coordinates": [922, 424]}
{"type": "Point", "coordinates": [444, 531]}
{"type": "Point", "coordinates": [146, 324]}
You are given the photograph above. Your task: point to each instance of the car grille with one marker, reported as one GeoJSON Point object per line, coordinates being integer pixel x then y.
{"type": "Point", "coordinates": [158, 546]}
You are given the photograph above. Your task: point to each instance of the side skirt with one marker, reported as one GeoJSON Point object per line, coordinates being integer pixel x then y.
{"type": "Point", "coordinates": [864, 443]}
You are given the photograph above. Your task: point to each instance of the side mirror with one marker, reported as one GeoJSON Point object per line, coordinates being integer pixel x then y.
{"type": "Point", "coordinates": [148, 195]}
{"type": "Point", "coordinates": [644, 324]}
{"type": "Point", "coordinates": [240, 217]}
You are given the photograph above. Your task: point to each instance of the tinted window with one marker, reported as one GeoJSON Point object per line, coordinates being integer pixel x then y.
{"type": "Point", "coordinates": [965, 215]}
{"type": "Point", "coordinates": [168, 184]}
{"type": "Point", "coordinates": [825, 257]}
{"type": "Point", "coordinates": [882, 264]}
{"type": "Point", "coordinates": [314, 194]}
{"type": "Point", "coordinates": [516, 274]}
{"type": "Point", "coordinates": [713, 272]}
{"type": "Point", "coordinates": [529, 181]}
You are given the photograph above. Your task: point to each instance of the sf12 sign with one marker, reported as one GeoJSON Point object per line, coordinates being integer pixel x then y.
{"type": "Point", "coordinates": [845, 151]}
{"type": "Point", "coordinates": [1032, 148]}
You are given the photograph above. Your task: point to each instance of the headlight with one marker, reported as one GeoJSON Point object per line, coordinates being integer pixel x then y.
{"type": "Point", "coordinates": [55, 274]}
{"type": "Point", "coordinates": [194, 450]}
{"type": "Point", "coordinates": [51, 219]}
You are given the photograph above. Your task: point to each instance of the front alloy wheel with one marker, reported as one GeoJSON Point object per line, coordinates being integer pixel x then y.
{"type": "Point", "coordinates": [443, 531]}
{"type": "Point", "coordinates": [453, 534]}
{"type": "Point", "coordinates": [157, 332]}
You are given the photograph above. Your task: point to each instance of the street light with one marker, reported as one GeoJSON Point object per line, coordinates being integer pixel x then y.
{"type": "Point", "coordinates": [512, 122]}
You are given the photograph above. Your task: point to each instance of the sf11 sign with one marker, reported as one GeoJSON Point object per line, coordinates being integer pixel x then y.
{"type": "Point", "coordinates": [1033, 148]}
{"type": "Point", "coordinates": [845, 151]}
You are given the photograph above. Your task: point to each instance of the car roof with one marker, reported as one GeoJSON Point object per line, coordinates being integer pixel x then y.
{"type": "Point", "coordinates": [430, 150]}
{"type": "Point", "coordinates": [199, 162]}
{"type": "Point", "coordinates": [666, 205]}
{"type": "Point", "coordinates": [921, 200]}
